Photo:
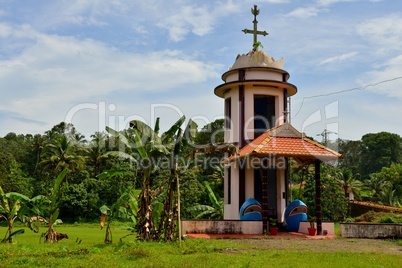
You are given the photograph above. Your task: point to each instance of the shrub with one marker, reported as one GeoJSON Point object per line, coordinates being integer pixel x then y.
{"type": "Point", "coordinates": [388, 219]}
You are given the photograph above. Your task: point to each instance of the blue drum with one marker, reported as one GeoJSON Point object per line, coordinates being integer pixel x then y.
{"type": "Point", "coordinates": [251, 210]}
{"type": "Point", "coordinates": [294, 214]}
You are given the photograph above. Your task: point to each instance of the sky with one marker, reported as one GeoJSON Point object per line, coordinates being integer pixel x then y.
{"type": "Point", "coordinates": [96, 63]}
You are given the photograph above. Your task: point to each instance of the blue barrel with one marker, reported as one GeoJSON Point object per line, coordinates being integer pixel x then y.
{"type": "Point", "coordinates": [251, 210]}
{"type": "Point", "coordinates": [294, 214]}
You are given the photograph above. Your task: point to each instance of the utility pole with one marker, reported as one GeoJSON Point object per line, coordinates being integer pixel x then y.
{"type": "Point", "coordinates": [325, 135]}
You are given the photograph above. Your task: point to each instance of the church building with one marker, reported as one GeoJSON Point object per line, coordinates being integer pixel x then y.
{"type": "Point", "coordinates": [256, 94]}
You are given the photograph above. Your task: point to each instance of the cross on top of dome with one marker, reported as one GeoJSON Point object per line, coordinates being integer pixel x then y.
{"type": "Point", "coordinates": [255, 32]}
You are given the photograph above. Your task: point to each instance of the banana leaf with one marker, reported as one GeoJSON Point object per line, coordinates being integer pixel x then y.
{"type": "Point", "coordinates": [13, 234]}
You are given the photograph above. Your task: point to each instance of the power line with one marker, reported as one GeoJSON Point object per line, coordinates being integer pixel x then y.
{"type": "Point", "coordinates": [345, 90]}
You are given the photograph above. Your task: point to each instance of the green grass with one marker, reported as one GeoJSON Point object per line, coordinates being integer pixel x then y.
{"type": "Point", "coordinates": [26, 251]}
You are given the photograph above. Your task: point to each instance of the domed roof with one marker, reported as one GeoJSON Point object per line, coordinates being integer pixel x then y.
{"type": "Point", "coordinates": [257, 58]}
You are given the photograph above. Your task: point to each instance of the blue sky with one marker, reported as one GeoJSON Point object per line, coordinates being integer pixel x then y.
{"type": "Point", "coordinates": [95, 63]}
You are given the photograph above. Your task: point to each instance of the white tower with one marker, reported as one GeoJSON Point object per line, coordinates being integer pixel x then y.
{"type": "Point", "coordinates": [256, 93]}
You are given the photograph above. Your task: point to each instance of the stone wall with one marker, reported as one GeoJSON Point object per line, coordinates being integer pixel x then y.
{"type": "Point", "coordinates": [221, 227]}
{"type": "Point", "coordinates": [371, 230]}
{"type": "Point", "coordinates": [326, 226]}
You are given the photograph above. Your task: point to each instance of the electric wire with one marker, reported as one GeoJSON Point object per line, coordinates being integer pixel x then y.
{"type": "Point", "coordinates": [344, 91]}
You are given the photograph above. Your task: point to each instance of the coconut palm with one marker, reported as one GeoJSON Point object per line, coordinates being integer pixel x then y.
{"type": "Point", "coordinates": [96, 152]}
{"type": "Point", "coordinates": [387, 197]}
{"type": "Point", "coordinates": [60, 153]}
{"type": "Point", "coordinates": [376, 184]}
{"type": "Point", "coordinates": [348, 183]}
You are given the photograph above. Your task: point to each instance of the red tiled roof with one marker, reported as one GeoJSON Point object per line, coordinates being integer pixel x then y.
{"type": "Point", "coordinates": [286, 141]}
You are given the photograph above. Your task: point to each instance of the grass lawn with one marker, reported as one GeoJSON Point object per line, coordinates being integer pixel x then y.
{"type": "Point", "coordinates": [26, 251]}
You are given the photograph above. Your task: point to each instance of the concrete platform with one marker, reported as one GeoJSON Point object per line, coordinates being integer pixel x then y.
{"type": "Point", "coordinates": [280, 235]}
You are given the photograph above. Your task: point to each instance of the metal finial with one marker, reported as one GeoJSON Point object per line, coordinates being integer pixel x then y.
{"type": "Point", "coordinates": [255, 32]}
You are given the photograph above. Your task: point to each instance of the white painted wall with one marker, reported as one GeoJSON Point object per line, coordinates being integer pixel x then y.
{"type": "Point", "coordinates": [249, 107]}
{"type": "Point", "coordinates": [231, 211]}
{"type": "Point", "coordinates": [252, 74]}
{"type": "Point", "coordinates": [263, 74]}
{"type": "Point", "coordinates": [281, 188]}
{"type": "Point", "coordinates": [232, 134]}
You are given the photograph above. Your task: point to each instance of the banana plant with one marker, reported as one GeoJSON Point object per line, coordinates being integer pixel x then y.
{"type": "Point", "coordinates": [176, 140]}
{"type": "Point", "coordinates": [10, 208]}
{"type": "Point", "coordinates": [212, 212]}
{"type": "Point", "coordinates": [54, 203]}
{"type": "Point", "coordinates": [117, 210]}
{"type": "Point", "coordinates": [146, 147]}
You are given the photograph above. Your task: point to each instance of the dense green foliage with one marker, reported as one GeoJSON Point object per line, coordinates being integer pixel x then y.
{"type": "Point", "coordinates": [29, 165]}
{"type": "Point", "coordinates": [101, 169]}
{"type": "Point", "coordinates": [371, 169]}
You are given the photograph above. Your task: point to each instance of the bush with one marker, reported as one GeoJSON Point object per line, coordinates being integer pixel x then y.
{"type": "Point", "coordinates": [388, 219]}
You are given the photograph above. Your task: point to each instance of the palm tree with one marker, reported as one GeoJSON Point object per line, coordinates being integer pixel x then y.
{"type": "Point", "coordinates": [376, 184]}
{"type": "Point", "coordinates": [37, 146]}
{"type": "Point", "coordinates": [96, 152]}
{"type": "Point", "coordinates": [60, 153]}
{"type": "Point", "coordinates": [387, 197]}
{"type": "Point", "coordinates": [348, 183]}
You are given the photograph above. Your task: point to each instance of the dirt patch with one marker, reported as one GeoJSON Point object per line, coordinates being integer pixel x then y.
{"type": "Point", "coordinates": [326, 245]}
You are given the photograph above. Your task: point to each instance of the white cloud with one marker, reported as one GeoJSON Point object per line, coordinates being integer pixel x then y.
{"type": "Point", "coordinates": [5, 30]}
{"type": "Point", "coordinates": [339, 58]}
{"type": "Point", "coordinates": [384, 31]}
{"type": "Point", "coordinates": [53, 73]}
{"type": "Point", "coordinates": [387, 80]}
{"type": "Point", "coordinates": [198, 20]}
{"type": "Point", "coordinates": [331, 2]}
{"type": "Point", "coordinates": [304, 12]}
{"type": "Point", "coordinates": [276, 1]}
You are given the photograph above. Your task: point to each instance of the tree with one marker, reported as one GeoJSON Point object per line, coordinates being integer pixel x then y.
{"type": "Point", "coordinates": [96, 153]}
{"type": "Point", "coordinates": [12, 178]}
{"type": "Point", "coordinates": [334, 205]}
{"type": "Point", "coordinates": [60, 153]}
{"type": "Point", "coordinates": [151, 152]}
{"type": "Point", "coordinates": [387, 197]}
{"type": "Point", "coordinates": [376, 184]}
{"type": "Point", "coordinates": [392, 174]}
{"type": "Point", "coordinates": [211, 133]}
{"type": "Point", "coordinates": [379, 150]}
{"type": "Point", "coordinates": [351, 152]}
{"type": "Point", "coordinates": [348, 183]}
{"type": "Point", "coordinates": [65, 129]}
{"type": "Point", "coordinates": [213, 211]}
{"type": "Point", "coordinates": [145, 149]}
